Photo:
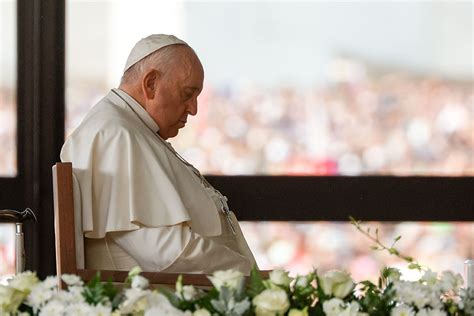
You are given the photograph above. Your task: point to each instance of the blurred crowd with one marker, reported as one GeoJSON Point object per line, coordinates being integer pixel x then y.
{"type": "Point", "coordinates": [301, 247]}
{"type": "Point", "coordinates": [362, 121]}
{"type": "Point", "coordinates": [7, 251]}
{"type": "Point", "coordinates": [7, 133]}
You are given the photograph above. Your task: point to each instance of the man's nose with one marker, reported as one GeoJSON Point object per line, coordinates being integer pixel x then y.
{"type": "Point", "coordinates": [192, 106]}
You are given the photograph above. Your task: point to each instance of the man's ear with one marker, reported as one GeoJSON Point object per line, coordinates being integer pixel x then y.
{"type": "Point", "coordinates": [150, 82]}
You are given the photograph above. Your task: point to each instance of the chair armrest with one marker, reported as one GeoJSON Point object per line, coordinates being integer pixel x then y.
{"type": "Point", "coordinates": [13, 216]}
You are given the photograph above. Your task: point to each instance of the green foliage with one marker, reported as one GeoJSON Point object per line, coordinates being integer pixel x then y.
{"type": "Point", "coordinates": [228, 305]}
{"type": "Point", "coordinates": [97, 292]}
{"type": "Point", "coordinates": [319, 290]}
{"type": "Point", "coordinates": [23, 308]}
{"type": "Point", "coordinates": [256, 285]}
{"type": "Point", "coordinates": [382, 247]}
{"type": "Point", "coordinates": [303, 296]}
{"type": "Point", "coordinates": [304, 293]}
{"type": "Point", "coordinates": [170, 295]}
{"type": "Point", "coordinates": [376, 300]}
{"type": "Point", "coordinates": [204, 300]}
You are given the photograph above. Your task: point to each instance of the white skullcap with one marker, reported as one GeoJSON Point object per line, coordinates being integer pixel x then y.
{"type": "Point", "coordinates": [148, 45]}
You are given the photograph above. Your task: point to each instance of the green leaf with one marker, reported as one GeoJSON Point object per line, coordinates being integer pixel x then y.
{"type": "Point", "coordinates": [256, 283]}
{"type": "Point", "coordinates": [414, 266]}
{"type": "Point", "coordinates": [240, 290]}
{"type": "Point", "coordinates": [393, 251]}
{"type": "Point", "coordinates": [96, 292]}
{"type": "Point", "coordinates": [118, 299]}
{"type": "Point", "coordinates": [353, 220]}
{"type": "Point", "coordinates": [179, 284]}
{"type": "Point", "coordinates": [170, 295]}
{"type": "Point", "coordinates": [205, 300]}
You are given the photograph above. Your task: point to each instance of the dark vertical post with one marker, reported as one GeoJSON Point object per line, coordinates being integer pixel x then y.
{"type": "Point", "coordinates": [41, 45]}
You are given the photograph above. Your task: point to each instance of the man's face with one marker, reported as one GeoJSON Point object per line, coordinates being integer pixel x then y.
{"type": "Point", "coordinates": [176, 95]}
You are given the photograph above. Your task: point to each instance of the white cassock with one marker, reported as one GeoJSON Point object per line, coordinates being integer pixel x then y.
{"type": "Point", "coordinates": [141, 204]}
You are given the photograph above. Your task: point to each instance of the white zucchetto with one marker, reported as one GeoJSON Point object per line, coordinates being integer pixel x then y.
{"type": "Point", "coordinates": [148, 45]}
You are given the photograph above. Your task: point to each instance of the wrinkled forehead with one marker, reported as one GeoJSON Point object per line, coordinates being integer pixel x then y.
{"type": "Point", "coordinates": [188, 57]}
{"type": "Point", "coordinates": [187, 65]}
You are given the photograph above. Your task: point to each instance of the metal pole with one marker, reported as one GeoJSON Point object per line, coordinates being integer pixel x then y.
{"type": "Point", "coordinates": [469, 273]}
{"type": "Point", "coordinates": [12, 216]}
{"type": "Point", "coordinates": [19, 248]}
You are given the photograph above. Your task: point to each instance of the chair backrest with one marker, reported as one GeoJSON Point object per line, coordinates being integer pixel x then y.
{"type": "Point", "coordinates": [66, 244]}
{"type": "Point", "coordinates": [64, 219]}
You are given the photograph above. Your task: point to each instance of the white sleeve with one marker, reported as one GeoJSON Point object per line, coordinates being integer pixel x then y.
{"type": "Point", "coordinates": [154, 248]}
{"type": "Point", "coordinates": [177, 249]}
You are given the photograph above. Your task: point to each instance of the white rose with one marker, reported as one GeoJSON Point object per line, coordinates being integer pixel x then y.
{"type": "Point", "coordinates": [302, 281]}
{"type": "Point", "coordinates": [280, 277]}
{"type": "Point", "coordinates": [23, 281]}
{"type": "Point", "coordinates": [101, 310]}
{"type": "Point", "coordinates": [271, 302]}
{"type": "Point", "coordinates": [79, 309]}
{"type": "Point", "coordinates": [50, 282]}
{"type": "Point", "coordinates": [5, 294]}
{"type": "Point", "coordinates": [52, 308]}
{"type": "Point", "coordinates": [154, 311]}
{"type": "Point", "coordinates": [10, 299]}
{"type": "Point", "coordinates": [71, 280]}
{"type": "Point", "coordinates": [450, 281]}
{"type": "Point", "coordinates": [133, 300]}
{"type": "Point", "coordinates": [158, 304]}
{"type": "Point", "coordinates": [38, 296]}
{"type": "Point", "coordinates": [298, 312]}
{"type": "Point", "coordinates": [402, 310]}
{"type": "Point", "coordinates": [73, 294]}
{"type": "Point", "coordinates": [337, 283]}
{"type": "Point", "coordinates": [69, 297]}
{"type": "Point", "coordinates": [189, 292]}
{"type": "Point", "coordinates": [351, 309]}
{"type": "Point", "coordinates": [201, 312]}
{"type": "Point", "coordinates": [422, 298]}
{"type": "Point", "coordinates": [139, 282]}
{"type": "Point", "coordinates": [431, 312]}
{"type": "Point", "coordinates": [228, 278]}
{"type": "Point", "coordinates": [333, 307]}
{"type": "Point", "coordinates": [430, 277]}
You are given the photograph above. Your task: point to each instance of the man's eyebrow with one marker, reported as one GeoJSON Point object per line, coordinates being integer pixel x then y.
{"type": "Point", "coordinates": [194, 88]}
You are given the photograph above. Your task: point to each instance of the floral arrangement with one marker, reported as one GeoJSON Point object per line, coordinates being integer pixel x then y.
{"type": "Point", "coordinates": [331, 293]}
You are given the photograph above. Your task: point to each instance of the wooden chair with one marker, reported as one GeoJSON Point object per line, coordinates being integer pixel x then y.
{"type": "Point", "coordinates": [66, 243]}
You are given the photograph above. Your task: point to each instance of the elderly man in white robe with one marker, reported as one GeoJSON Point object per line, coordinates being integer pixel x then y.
{"type": "Point", "coordinates": [142, 204]}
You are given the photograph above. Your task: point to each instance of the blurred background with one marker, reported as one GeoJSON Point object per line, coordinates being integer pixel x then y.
{"type": "Point", "coordinates": [293, 88]}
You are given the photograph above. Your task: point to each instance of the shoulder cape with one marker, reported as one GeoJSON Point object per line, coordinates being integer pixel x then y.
{"type": "Point", "coordinates": [129, 179]}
